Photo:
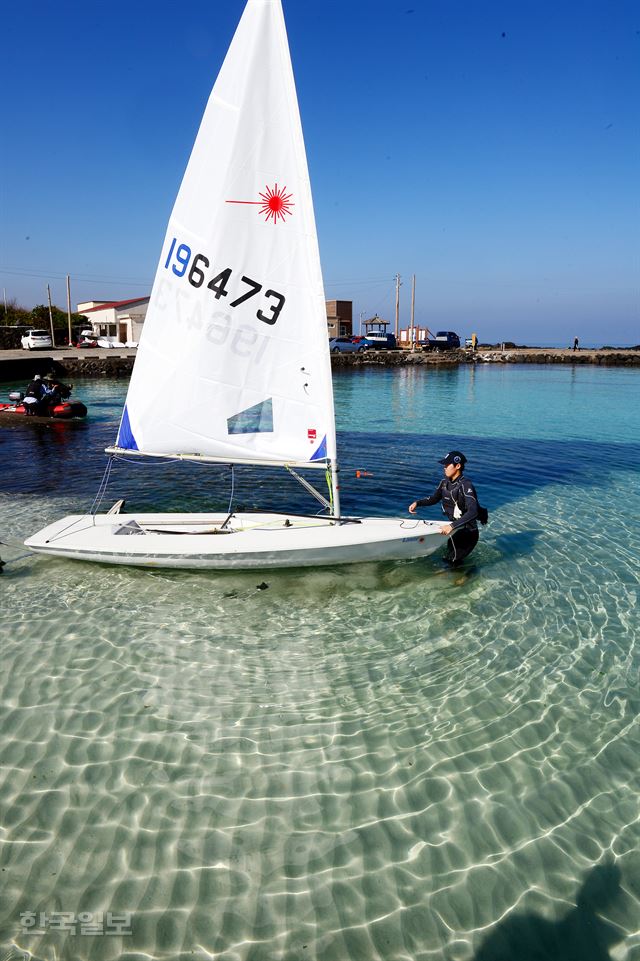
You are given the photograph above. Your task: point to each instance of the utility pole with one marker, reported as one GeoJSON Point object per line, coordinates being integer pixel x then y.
{"type": "Point", "coordinates": [413, 309]}
{"type": "Point", "coordinates": [69, 306]}
{"type": "Point", "coordinates": [53, 341]}
{"type": "Point", "coordinates": [398, 285]}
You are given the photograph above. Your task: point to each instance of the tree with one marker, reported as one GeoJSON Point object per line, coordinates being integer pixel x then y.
{"type": "Point", "coordinates": [14, 314]}
{"type": "Point", "coordinates": [39, 317]}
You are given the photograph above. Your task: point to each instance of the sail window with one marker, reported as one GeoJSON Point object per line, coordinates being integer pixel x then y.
{"type": "Point", "coordinates": [254, 420]}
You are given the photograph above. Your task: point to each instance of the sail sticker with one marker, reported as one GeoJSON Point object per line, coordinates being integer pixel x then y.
{"type": "Point", "coordinates": [321, 452]}
{"type": "Point", "coordinates": [126, 439]}
{"type": "Point", "coordinates": [312, 433]}
{"type": "Point", "coordinates": [275, 203]}
{"type": "Point", "coordinates": [254, 420]}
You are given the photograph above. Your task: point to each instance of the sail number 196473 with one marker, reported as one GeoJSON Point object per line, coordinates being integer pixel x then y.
{"type": "Point", "coordinates": [180, 259]}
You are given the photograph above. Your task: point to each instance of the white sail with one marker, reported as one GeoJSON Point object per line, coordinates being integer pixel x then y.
{"type": "Point", "coordinates": [233, 362]}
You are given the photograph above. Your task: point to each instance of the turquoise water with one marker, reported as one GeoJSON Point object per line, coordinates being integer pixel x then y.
{"type": "Point", "coordinates": [380, 762]}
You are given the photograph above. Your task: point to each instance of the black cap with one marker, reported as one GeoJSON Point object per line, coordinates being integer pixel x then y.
{"type": "Point", "coordinates": [454, 457]}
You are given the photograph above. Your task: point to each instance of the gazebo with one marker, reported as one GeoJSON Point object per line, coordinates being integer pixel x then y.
{"type": "Point", "coordinates": [375, 325]}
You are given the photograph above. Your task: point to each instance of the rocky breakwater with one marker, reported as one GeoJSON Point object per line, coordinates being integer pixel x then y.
{"type": "Point", "coordinates": [605, 356]}
{"type": "Point", "coordinates": [621, 357]}
{"type": "Point", "coordinates": [399, 358]}
{"type": "Point", "coordinates": [94, 367]}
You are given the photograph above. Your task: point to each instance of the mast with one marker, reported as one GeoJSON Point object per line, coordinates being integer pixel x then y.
{"type": "Point", "coordinates": [335, 486]}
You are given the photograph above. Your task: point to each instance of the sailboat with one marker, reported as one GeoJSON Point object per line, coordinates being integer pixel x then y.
{"type": "Point", "coordinates": [236, 325]}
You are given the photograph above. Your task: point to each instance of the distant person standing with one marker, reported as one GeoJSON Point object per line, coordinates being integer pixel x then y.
{"type": "Point", "coordinates": [460, 504]}
{"type": "Point", "coordinates": [576, 343]}
{"type": "Point", "coordinates": [474, 341]}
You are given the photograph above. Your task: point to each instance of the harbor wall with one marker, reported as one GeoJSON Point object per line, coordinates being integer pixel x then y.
{"type": "Point", "coordinates": [622, 357]}
{"type": "Point", "coordinates": [65, 366]}
{"type": "Point", "coordinates": [20, 365]}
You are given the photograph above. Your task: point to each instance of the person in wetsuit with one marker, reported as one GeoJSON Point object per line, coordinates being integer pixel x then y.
{"type": "Point", "coordinates": [33, 395]}
{"type": "Point", "coordinates": [459, 503]}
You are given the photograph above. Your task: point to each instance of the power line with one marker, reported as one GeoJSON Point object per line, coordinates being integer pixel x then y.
{"type": "Point", "coordinates": [83, 278]}
{"type": "Point", "coordinates": [358, 283]}
{"type": "Point", "coordinates": [124, 281]}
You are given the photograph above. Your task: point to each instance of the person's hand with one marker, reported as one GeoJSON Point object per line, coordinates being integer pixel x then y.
{"type": "Point", "coordinates": [446, 529]}
{"type": "Point", "coordinates": [413, 507]}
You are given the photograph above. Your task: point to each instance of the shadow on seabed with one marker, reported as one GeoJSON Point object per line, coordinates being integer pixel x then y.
{"type": "Point", "coordinates": [580, 936]}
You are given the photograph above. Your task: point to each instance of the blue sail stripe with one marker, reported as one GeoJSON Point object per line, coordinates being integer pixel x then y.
{"type": "Point", "coordinates": [321, 452]}
{"type": "Point", "coordinates": [126, 439]}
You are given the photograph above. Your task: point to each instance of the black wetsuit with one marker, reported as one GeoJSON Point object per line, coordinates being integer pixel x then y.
{"type": "Point", "coordinates": [35, 388]}
{"type": "Point", "coordinates": [458, 493]}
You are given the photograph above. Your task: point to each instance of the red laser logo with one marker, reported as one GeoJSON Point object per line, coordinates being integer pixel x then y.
{"type": "Point", "coordinates": [275, 203]}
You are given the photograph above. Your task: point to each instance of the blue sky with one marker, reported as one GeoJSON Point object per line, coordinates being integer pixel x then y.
{"type": "Point", "coordinates": [491, 149]}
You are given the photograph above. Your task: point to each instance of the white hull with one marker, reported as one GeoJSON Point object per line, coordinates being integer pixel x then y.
{"type": "Point", "coordinates": [254, 541]}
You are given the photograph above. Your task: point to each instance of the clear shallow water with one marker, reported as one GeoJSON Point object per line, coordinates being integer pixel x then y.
{"type": "Point", "coordinates": [387, 761]}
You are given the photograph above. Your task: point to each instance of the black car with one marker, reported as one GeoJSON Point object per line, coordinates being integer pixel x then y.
{"type": "Point", "coordinates": [444, 340]}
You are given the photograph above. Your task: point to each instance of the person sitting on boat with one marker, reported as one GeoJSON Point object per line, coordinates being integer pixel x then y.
{"type": "Point", "coordinates": [459, 503]}
{"type": "Point", "coordinates": [54, 391]}
{"type": "Point", "coordinates": [33, 395]}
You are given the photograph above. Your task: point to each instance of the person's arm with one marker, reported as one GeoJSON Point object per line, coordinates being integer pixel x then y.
{"type": "Point", "coordinates": [427, 501]}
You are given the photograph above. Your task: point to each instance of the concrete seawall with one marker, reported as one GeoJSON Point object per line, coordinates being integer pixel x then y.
{"type": "Point", "coordinates": [20, 365]}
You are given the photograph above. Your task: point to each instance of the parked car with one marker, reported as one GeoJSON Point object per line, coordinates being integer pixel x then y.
{"type": "Point", "coordinates": [36, 340]}
{"type": "Point", "coordinates": [444, 340]}
{"type": "Point", "coordinates": [380, 341]}
{"type": "Point", "coordinates": [345, 345]}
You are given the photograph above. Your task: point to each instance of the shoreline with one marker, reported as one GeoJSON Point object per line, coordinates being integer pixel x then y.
{"type": "Point", "coordinates": [18, 364]}
{"type": "Point", "coordinates": [616, 357]}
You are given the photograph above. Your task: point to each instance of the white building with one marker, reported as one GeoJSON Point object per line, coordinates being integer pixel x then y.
{"type": "Point", "coordinates": [119, 320]}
